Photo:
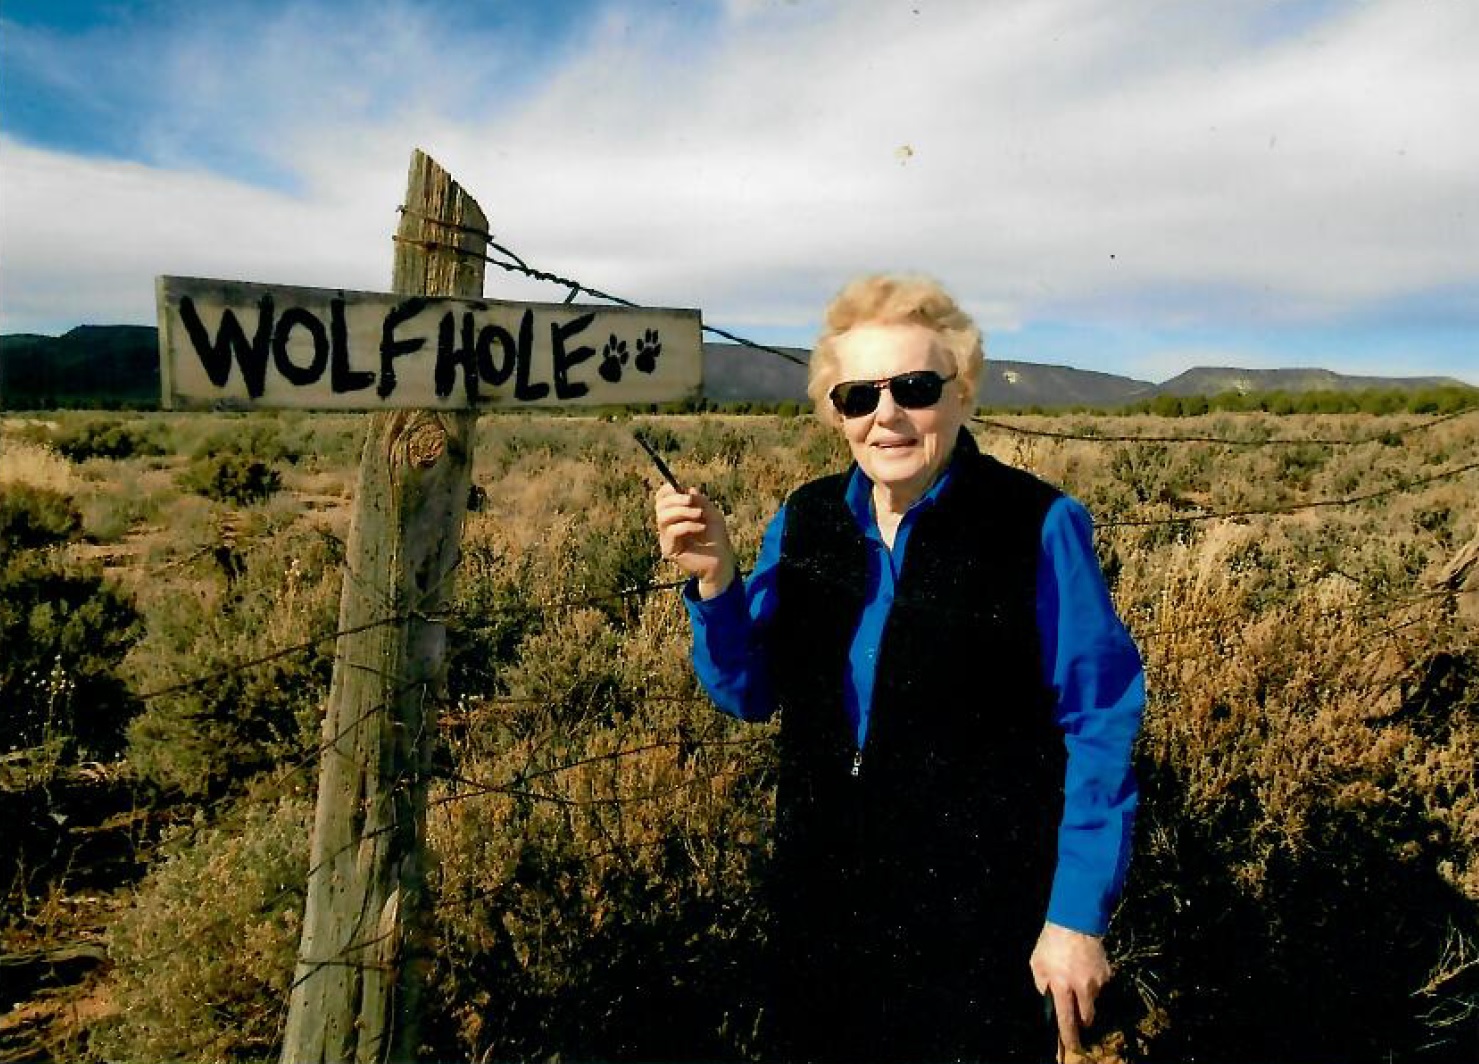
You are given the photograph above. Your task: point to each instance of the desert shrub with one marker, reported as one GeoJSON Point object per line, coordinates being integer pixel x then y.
{"type": "Point", "coordinates": [204, 738]}
{"type": "Point", "coordinates": [491, 615]}
{"type": "Point", "coordinates": [1442, 400]}
{"type": "Point", "coordinates": [231, 478]}
{"type": "Point", "coordinates": [307, 442]}
{"type": "Point", "coordinates": [821, 449]}
{"type": "Point", "coordinates": [109, 438]}
{"type": "Point", "coordinates": [203, 959]}
{"type": "Point", "coordinates": [27, 457]}
{"type": "Point", "coordinates": [621, 553]}
{"type": "Point", "coordinates": [601, 904]}
{"type": "Point", "coordinates": [513, 436]}
{"type": "Point", "coordinates": [717, 443]}
{"type": "Point", "coordinates": [1306, 881]}
{"type": "Point", "coordinates": [65, 632]}
{"type": "Point", "coordinates": [1297, 465]}
{"type": "Point", "coordinates": [616, 917]}
{"type": "Point", "coordinates": [259, 437]}
{"type": "Point", "coordinates": [662, 439]}
{"type": "Point", "coordinates": [1289, 832]}
{"type": "Point", "coordinates": [110, 514]}
{"type": "Point", "coordinates": [32, 517]}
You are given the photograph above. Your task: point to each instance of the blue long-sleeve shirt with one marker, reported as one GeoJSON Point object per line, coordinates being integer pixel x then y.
{"type": "Point", "coordinates": [1089, 661]}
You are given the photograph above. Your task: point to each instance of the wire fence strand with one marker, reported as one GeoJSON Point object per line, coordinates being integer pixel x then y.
{"type": "Point", "coordinates": [1281, 509]}
{"type": "Point", "coordinates": [1390, 436]}
{"type": "Point", "coordinates": [514, 264]}
{"type": "Point", "coordinates": [522, 784]}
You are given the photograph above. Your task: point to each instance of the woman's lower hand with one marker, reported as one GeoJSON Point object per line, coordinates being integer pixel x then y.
{"type": "Point", "coordinates": [1073, 968]}
{"type": "Point", "coordinates": [691, 532]}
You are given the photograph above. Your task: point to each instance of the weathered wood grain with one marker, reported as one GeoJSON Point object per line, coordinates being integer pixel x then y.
{"type": "Point", "coordinates": [356, 989]}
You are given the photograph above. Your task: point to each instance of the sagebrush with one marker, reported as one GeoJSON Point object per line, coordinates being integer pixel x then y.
{"type": "Point", "coordinates": [1306, 885]}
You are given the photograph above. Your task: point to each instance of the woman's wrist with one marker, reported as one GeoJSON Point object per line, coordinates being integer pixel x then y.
{"type": "Point", "coordinates": [716, 585]}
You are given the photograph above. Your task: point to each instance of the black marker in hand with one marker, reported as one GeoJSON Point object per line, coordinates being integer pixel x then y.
{"type": "Point", "coordinates": [662, 467]}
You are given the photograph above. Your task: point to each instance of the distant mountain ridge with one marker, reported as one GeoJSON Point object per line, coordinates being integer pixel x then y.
{"type": "Point", "coordinates": [735, 373]}
{"type": "Point", "coordinates": [1217, 380]}
{"type": "Point", "coordinates": [111, 365]}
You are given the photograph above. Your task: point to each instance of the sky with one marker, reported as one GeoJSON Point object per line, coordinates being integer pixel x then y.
{"type": "Point", "coordinates": [1131, 186]}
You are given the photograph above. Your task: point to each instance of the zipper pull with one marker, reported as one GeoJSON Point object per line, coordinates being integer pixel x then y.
{"type": "Point", "coordinates": [857, 764]}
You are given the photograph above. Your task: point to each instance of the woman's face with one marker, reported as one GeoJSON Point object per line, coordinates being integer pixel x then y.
{"type": "Point", "coordinates": [901, 451]}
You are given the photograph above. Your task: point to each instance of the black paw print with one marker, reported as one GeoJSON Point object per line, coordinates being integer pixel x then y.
{"type": "Point", "coordinates": [649, 347]}
{"type": "Point", "coordinates": [613, 356]}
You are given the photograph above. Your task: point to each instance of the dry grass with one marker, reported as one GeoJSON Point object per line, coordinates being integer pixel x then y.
{"type": "Point", "coordinates": [36, 465]}
{"type": "Point", "coordinates": [1310, 810]}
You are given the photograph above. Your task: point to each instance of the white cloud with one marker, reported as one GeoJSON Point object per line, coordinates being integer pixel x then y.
{"type": "Point", "coordinates": [1139, 162]}
{"type": "Point", "coordinates": [84, 239]}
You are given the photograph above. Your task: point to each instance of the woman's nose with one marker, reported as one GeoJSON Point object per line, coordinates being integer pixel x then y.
{"type": "Point", "coordinates": [888, 410]}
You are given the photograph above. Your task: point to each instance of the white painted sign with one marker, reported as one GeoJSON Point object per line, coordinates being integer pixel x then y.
{"type": "Point", "coordinates": [238, 345]}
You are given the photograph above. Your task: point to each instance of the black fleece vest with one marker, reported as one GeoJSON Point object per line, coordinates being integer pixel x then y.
{"type": "Point", "coordinates": [946, 825]}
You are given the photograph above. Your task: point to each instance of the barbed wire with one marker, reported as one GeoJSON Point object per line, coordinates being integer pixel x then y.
{"type": "Point", "coordinates": [465, 711]}
{"type": "Point", "coordinates": [1215, 650]}
{"type": "Point", "coordinates": [518, 786]}
{"type": "Point", "coordinates": [642, 590]}
{"type": "Point", "coordinates": [479, 788]}
{"type": "Point", "coordinates": [1289, 596]}
{"type": "Point", "coordinates": [514, 264]}
{"type": "Point", "coordinates": [1366, 611]}
{"type": "Point", "coordinates": [680, 743]}
{"type": "Point", "coordinates": [269, 657]}
{"type": "Point", "coordinates": [1280, 509]}
{"type": "Point", "coordinates": [329, 637]}
{"type": "Point", "coordinates": [1385, 436]}
{"type": "Point", "coordinates": [276, 788]}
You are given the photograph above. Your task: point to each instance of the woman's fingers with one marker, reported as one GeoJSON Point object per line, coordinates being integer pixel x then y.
{"type": "Point", "coordinates": [670, 504]}
{"type": "Point", "coordinates": [672, 512]}
{"type": "Point", "coordinates": [691, 532]}
{"type": "Point", "coordinates": [682, 536]}
{"type": "Point", "coordinates": [1065, 1007]}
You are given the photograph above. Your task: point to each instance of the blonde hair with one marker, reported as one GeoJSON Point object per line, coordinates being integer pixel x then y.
{"type": "Point", "coordinates": [894, 299]}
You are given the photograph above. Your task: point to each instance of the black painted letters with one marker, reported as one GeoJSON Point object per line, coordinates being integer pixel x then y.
{"type": "Point", "coordinates": [450, 356]}
{"type": "Point", "coordinates": [475, 354]}
{"type": "Point", "coordinates": [496, 375]}
{"type": "Point", "coordinates": [215, 355]}
{"type": "Point", "coordinates": [391, 348]}
{"type": "Point", "coordinates": [343, 379]}
{"type": "Point", "coordinates": [292, 373]}
{"type": "Point", "coordinates": [558, 334]}
{"type": "Point", "coordinates": [523, 390]}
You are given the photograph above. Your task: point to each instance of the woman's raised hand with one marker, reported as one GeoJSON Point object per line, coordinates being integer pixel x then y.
{"type": "Point", "coordinates": [691, 532]}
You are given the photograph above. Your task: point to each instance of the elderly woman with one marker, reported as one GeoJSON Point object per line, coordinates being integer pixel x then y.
{"type": "Point", "coordinates": [957, 701]}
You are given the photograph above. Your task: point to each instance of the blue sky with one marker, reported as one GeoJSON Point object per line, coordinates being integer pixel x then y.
{"type": "Point", "coordinates": [1133, 186]}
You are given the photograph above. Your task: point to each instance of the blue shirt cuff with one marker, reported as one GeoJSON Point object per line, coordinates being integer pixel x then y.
{"type": "Point", "coordinates": [725, 657]}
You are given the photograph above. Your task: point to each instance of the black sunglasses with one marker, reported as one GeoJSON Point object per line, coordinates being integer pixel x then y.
{"type": "Point", "coordinates": [912, 391]}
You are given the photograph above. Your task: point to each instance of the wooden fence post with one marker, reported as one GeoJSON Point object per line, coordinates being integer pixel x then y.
{"type": "Point", "coordinates": [355, 993]}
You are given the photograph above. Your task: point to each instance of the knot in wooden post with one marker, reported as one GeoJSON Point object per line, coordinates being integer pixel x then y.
{"type": "Point", "coordinates": [425, 443]}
